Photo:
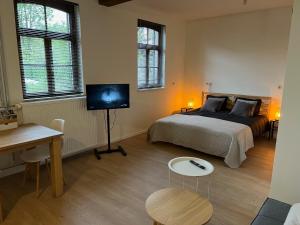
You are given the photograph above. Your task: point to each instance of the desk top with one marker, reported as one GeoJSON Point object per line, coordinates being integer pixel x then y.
{"type": "Point", "coordinates": [178, 206]}
{"type": "Point", "coordinates": [25, 134]}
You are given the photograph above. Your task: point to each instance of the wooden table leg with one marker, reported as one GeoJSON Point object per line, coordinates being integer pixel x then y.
{"type": "Point", "coordinates": [56, 167]}
{"type": "Point", "coordinates": [37, 185]}
{"type": "Point", "coordinates": [1, 211]}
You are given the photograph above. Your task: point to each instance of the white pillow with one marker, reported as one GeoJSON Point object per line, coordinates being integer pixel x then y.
{"type": "Point", "coordinates": [293, 217]}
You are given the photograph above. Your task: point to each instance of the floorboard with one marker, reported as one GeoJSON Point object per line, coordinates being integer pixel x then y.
{"type": "Point", "coordinates": [113, 191]}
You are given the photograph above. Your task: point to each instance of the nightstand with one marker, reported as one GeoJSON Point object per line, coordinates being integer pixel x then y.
{"type": "Point", "coordinates": [273, 128]}
{"type": "Point", "coordinates": [182, 110]}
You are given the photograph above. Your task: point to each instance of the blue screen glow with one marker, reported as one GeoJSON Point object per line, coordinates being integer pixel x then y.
{"type": "Point", "coordinates": [110, 96]}
{"type": "Point", "coordinates": [107, 96]}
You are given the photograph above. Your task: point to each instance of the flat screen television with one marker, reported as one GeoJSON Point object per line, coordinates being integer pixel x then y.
{"type": "Point", "coordinates": [107, 96]}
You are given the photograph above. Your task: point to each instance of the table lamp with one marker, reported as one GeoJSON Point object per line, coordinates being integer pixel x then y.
{"type": "Point", "coordinates": [277, 115]}
{"type": "Point", "coordinates": [190, 104]}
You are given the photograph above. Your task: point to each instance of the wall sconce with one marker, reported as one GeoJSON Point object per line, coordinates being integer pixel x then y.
{"type": "Point", "coordinates": [209, 84]}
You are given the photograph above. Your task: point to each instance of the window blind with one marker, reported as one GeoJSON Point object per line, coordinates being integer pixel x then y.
{"type": "Point", "coordinates": [48, 36]}
{"type": "Point", "coordinates": [3, 94]}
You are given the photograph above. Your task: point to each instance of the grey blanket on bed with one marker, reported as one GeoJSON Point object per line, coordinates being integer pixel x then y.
{"type": "Point", "coordinates": [213, 136]}
{"type": "Point", "coordinates": [258, 124]}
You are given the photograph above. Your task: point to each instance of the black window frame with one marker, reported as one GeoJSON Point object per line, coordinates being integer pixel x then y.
{"type": "Point", "coordinates": [161, 29]}
{"type": "Point", "coordinates": [73, 37]}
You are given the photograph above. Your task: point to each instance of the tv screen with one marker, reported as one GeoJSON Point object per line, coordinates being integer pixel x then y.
{"type": "Point", "coordinates": [107, 96]}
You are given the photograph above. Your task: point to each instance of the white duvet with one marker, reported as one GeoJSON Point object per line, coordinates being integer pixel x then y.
{"type": "Point", "coordinates": [209, 135]}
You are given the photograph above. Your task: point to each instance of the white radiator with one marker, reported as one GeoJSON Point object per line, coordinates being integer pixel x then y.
{"type": "Point", "coordinates": [83, 129]}
{"type": "Point", "coordinates": [81, 125]}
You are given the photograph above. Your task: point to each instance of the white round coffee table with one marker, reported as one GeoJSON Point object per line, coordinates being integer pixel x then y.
{"type": "Point", "coordinates": [182, 166]}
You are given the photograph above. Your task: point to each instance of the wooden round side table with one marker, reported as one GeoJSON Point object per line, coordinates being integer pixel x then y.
{"type": "Point", "coordinates": [175, 206]}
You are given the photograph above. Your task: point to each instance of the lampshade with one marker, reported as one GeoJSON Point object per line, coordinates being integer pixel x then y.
{"type": "Point", "coordinates": [190, 104]}
{"type": "Point", "coordinates": [277, 115]}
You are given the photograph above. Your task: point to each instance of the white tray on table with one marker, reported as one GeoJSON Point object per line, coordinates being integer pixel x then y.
{"type": "Point", "coordinates": [183, 167]}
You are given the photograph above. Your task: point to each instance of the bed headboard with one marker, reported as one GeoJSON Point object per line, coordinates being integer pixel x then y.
{"type": "Point", "coordinates": [265, 106]}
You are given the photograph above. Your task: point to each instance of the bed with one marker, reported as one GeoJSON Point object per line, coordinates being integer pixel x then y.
{"type": "Point", "coordinates": [217, 133]}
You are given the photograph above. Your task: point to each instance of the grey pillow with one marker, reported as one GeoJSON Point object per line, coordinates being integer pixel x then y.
{"type": "Point", "coordinates": [243, 109]}
{"type": "Point", "coordinates": [213, 105]}
{"type": "Point", "coordinates": [254, 103]}
{"type": "Point", "coordinates": [258, 104]}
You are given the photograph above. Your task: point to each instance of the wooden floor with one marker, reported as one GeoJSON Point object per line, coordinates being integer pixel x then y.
{"type": "Point", "coordinates": [113, 191]}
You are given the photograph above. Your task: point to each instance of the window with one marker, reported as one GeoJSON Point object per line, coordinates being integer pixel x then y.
{"type": "Point", "coordinates": [3, 95]}
{"type": "Point", "coordinates": [49, 50]}
{"type": "Point", "coordinates": [150, 55]}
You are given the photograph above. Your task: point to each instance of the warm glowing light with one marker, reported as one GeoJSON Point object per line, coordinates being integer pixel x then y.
{"type": "Point", "coordinates": [277, 115]}
{"type": "Point", "coordinates": [191, 104]}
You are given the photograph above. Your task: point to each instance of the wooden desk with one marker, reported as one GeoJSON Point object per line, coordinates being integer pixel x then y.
{"type": "Point", "coordinates": [174, 206]}
{"type": "Point", "coordinates": [31, 135]}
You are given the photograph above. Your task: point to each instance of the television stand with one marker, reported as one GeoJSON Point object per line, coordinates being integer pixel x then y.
{"type": "Point", "coordinates": [98, 153]}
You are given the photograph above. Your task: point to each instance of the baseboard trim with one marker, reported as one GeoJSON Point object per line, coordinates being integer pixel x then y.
{"type": "Point", "coordinates": [20, 168]}
{"type": "Point", "coordinates": [113, 141]}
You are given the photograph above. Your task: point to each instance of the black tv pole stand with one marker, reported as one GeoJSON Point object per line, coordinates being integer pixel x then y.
{"type": "Point", "coordinates": [98, 153]}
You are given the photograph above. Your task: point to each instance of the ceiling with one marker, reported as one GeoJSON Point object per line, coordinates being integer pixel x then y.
{"type": "Point", "coordinates": [199, 9]}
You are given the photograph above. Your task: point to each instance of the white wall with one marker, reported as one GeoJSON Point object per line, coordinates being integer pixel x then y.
{"type": "Point", "coordinates": [242, 53]}
{"type": "Point", "coordinates": [109, 55]}
{"type": "Point", "coordinates": [286, 178]}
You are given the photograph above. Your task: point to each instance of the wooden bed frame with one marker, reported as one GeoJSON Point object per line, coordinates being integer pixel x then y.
{"type": "Point", "coordinates": [265, 106]}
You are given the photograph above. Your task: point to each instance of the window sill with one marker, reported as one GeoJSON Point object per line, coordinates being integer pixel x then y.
{"type": "Point", "coordinates": [150, 89]}
{"type": "Point", "coordinates": [52, 100]}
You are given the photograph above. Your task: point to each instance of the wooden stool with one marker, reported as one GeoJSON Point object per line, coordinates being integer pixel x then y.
{"type": "Point", "coordinates": [36, 166]}
{"type": "Point", "coordinates": [174, 206]}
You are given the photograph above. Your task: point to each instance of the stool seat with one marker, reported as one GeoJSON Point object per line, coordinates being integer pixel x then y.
{"type": "Point", "coordinates": [175, 206]}
{"type": "Point", "coordinates": [37, 154]}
